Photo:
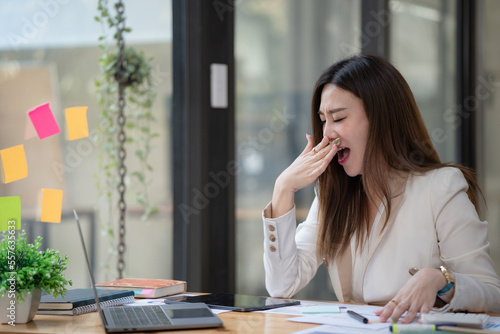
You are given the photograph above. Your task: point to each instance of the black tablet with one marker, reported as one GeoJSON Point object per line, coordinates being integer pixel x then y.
{"type": "Point", "coordinates": [240, 303]}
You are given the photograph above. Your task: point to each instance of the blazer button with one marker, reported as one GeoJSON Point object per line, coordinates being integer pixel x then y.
{"type": "Point", "coordinates": [272, 249]}
{"type": "Point", "coordinates": [272, 238]}
{"type": "Point", "coordinates": [271, 228]}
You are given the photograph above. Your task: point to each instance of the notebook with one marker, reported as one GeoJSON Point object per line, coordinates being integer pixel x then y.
{"type": "Point", "coordinates": [150, 317]}
{"type": "Point", "coordinates": [146, 287]}
{"type": "Point", "coordinates": [78, 301]}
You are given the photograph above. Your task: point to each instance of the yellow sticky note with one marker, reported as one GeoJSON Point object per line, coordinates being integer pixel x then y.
{"type": "Point", "coordinates": [14, 163]}
{"type": "Point", "coordinates": [51, 205]}
{"type": "Point", "coordinates": [76, 120]}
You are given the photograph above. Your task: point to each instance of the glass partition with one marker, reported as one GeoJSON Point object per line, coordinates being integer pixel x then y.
{"type": "Point", "coordinates": [281, 48]}
{"type": "Point", "coordinates": [48, 54]}
{"type": "Point", "coordinates": [422, 47]}
{"type": "Point", "coordinates": [488, 96]}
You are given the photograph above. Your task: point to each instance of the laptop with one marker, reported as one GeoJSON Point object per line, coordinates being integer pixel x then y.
{"type": "Point", "coordinates": [118, 319]}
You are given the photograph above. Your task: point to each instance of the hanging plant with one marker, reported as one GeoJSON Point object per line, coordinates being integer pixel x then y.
{"type": "Point", "coordinates": [133, 76]}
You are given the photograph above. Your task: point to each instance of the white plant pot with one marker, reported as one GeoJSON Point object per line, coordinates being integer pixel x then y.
{"type": "Point", "coordinates": [22, 312]}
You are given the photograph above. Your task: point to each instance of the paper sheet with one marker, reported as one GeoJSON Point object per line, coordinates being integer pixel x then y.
{"type": "Point", "coordinates": [340, 322]}
{"type": "Point", "coordinates": [343, 323]}
{"type": "Point", "coordinates": [298, 309]}
{"type": "Point", "coordinates": [325, 329]}
{"type": "Point", "coordinates": [493, 324]}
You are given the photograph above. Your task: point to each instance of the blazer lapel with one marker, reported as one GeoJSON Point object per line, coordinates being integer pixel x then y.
{"type": "Point", "coordinates": [344, 270]}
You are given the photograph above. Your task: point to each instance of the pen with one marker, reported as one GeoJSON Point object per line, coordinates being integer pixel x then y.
{"type": "Point", "coordinates": [357, 316]}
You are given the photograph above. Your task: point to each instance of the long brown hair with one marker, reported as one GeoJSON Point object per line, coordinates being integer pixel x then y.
{"type": "Point", "coordinates": [397, 134]}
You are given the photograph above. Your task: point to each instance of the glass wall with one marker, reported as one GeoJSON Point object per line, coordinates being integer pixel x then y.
{"type": "Point", "coordinates": [48, 54]}
{"type": "Point", "coordinates": [281, 48]}
{"type": "Point", "coordinates": [422, 47]}
{"type": "Point", "coordinates": [427, 60]}
{"type": "Point", "coordinates": [487, 93]}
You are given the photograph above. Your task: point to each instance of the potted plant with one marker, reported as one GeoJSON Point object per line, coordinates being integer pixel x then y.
{"type": "Point", "coordinates": [24, 272]}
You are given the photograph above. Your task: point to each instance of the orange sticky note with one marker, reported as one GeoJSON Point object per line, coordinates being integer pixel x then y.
{"type": "Point", "coordinates": [51, 205]}
{"type": "Point", "coordinates": [76, 120]}
{"type": "Point", "coordinates": [14, 163]}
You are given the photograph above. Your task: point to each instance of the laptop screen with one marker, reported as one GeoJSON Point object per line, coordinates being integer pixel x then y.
{"type": "Point", "coordinates": [92, 281]}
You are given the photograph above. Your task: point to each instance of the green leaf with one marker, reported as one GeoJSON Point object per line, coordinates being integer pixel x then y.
{"type": "Point", "coordinates": [139, 154]}
{"type": "Point", "coordinates": [139, 176]}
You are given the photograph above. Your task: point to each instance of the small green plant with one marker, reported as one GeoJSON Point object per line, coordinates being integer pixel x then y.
{"type": "Point", "coordinates": [23, 268]}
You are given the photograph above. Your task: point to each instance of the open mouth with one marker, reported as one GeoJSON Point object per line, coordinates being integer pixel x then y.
{"type": "Point", "coordinates": [343, 154]}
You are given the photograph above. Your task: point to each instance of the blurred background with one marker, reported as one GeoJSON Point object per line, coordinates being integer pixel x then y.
{"type": "Point", "coordinates": [49, 51]}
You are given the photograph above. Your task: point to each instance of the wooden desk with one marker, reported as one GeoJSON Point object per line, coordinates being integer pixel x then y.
{"type": "Point", "coordinates": [234, 322]}
{"type": "Point", "coordinates": [90, 323]}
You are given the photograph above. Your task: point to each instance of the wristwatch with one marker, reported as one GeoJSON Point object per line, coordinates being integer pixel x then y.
{"type": "Point", "coordinates": [450, 279]}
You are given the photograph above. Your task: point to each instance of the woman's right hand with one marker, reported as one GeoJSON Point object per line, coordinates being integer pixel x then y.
{"type": "Point", "coordinates": [304, 171]}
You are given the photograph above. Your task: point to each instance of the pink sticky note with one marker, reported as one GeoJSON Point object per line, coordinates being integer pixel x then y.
{"type": "Point", "coordinates": [44, 122]}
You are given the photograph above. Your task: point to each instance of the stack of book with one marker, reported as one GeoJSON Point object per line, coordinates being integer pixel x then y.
{"type": "Point", "coordinates": [146, 287]}
{"type": "Point", "coordinates": [78, 301]}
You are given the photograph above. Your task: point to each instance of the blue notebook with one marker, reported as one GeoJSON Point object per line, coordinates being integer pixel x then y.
{"type": "Point", "coordinates": [78, 301]}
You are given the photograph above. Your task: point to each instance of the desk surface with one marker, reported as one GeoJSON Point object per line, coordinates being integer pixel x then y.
{"type": "Point", "coordinates": [234, 322]}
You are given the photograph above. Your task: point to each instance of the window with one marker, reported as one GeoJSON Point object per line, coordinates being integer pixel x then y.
{"type": "Point", "coordinates": [281, 48]}
{"type": "Point", "coordinates": [422, 47]}
{"type": "Point", "coordinates": [49, 53]}
{"type": "Point", "coordinates": [487, 94]}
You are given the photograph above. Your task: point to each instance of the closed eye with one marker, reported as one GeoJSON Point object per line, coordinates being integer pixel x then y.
{"type": "Point", "coordinates": [338, 120]}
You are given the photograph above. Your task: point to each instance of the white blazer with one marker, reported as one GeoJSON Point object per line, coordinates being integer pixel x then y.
{"type": "Point", "coordinates": [433, 223]}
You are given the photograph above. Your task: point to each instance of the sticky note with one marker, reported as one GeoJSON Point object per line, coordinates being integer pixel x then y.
{"type": "Point", "coordinates": [14, 163]}
{"type": "Point", "coordinates": [76, 121]}
{"type": "Point", "coordinates": [320, 309]}
{"type": "Point", "coordinates": [44, 122]}
{"type": "Point", "coordinates": [10, 213]}
{"type": "Point", "coordinates": [51, 205]}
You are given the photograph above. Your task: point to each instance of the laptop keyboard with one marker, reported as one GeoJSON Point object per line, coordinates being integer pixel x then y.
{"type": "Point", "coordinates": [138, 316]}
